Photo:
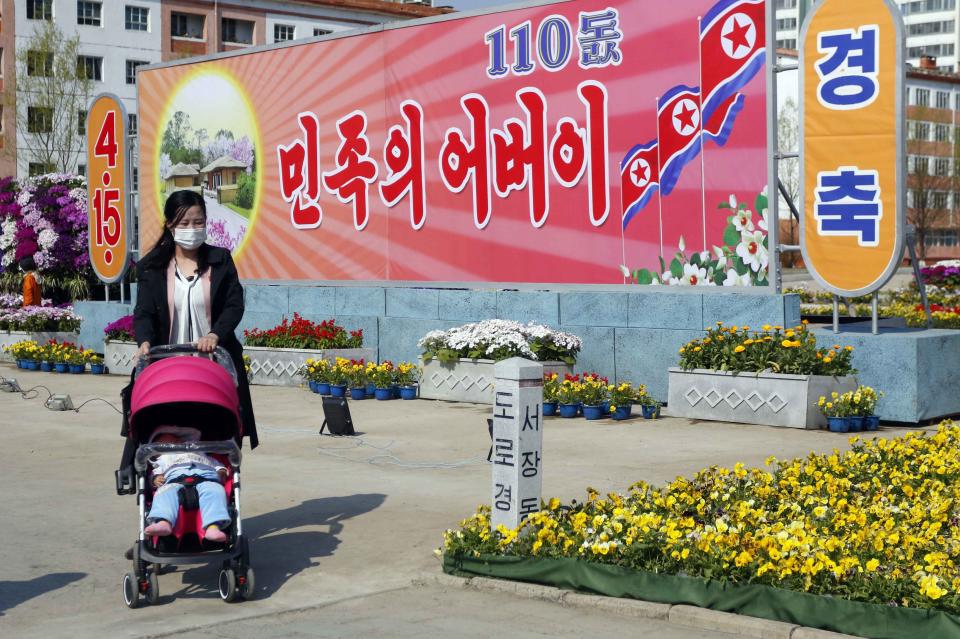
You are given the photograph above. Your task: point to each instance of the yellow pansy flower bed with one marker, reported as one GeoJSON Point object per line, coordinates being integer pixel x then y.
{"type": "Point", "coordinates": [879, 523]}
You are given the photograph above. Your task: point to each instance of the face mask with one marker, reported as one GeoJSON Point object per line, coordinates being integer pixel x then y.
{"type": "Point", "coordinates": [190, 238]}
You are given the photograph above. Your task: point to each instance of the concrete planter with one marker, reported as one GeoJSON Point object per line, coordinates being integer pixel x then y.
{"type": "Point", "coordinates": [752, 398]}
{"type": "Point", "coordinates": [467, 380]}
{"type": "Point", "coordinates": [279, 366]}
{"type": "Point", "coordinates": [8, 338]}
{"type": "Point", "coordinates": [120, 357]}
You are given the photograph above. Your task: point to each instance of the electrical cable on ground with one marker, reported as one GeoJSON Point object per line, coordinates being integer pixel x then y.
{"type": "Point", "coordinates": [32, 393]}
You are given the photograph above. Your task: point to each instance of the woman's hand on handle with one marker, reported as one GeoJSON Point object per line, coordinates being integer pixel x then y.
{"type": "Point", "coordinates": [144, 350]}
{"type": "Point", "coordinates": [208, 343]}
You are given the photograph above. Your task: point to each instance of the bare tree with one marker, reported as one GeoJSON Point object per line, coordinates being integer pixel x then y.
{"type": "Point", "coordinates": [51, 91]}
{"type": "Point", "coordinates": [788, 134]}
{"type": "Point", "coordinates": [925, 214]}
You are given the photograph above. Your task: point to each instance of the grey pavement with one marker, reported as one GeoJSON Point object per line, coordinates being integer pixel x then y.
{"type": "Point", "coordinates": [339, 527]}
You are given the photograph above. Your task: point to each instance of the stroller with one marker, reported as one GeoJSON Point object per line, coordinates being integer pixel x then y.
{"type": "Point", "coordinates": [176, 385]}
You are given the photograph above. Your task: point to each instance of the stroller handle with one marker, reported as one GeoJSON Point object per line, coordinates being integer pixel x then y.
{"type": "Point", "coordinates": [228, 447]}
{"type": "Point", "coordinates": [219, 355]}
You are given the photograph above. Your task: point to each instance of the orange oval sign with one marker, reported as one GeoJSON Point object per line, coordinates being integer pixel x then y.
{"type": "Point", "coordinates": [852, 153]}
{"type": "Point", "coordinates": [107, 187]}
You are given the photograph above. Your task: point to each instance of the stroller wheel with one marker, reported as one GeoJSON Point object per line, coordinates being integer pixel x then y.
{"type": "Point", "coordinates": [228, 585]}
{"type": "Point", "coordinates": [248, 587]}
{"type": "Point", "coordinates": [131, 590]}
{"type": "Point", "coordinates": [153, 589]}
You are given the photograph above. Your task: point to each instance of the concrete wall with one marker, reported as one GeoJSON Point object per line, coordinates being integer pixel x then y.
{"type": "Point", "coordinates": [631, 335]}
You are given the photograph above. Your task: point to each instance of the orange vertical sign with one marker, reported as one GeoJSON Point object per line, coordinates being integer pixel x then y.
{"type": "Point", "coordinates": [107, 187]}
{"type": "Point", "coordinates": [852, 153]}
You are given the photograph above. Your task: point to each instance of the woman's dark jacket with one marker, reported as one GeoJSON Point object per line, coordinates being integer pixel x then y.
{"type": "Point", "coordinates": [151, 316]}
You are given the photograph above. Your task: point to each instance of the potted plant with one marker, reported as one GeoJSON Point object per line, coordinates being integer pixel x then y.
{"type": "Point", "coordinates": [551, 393]}
{"type": "Point", "coordinates": [622, 397]}
{"type": "Point", "coordinates": [38, 323]}
{"type": "Point", "coordinates": [370, 388]}
{"type": "Point", "coordinates": [356, 373]}
{"type": "Point", "coordinates": [246, 366]}
{"type": "Point", "coordinates": [96, 363]}
{"type": "Point", "coordinates": [771, 376]}
{"type": "Point", "coordinates": [77, 361]}
{"type": "Point", "coordinates": [279, 353]}
{"type": "Point", "coordinates": [120, 346]}
{"type": "Point", "coordinates": [649, 406]}
{"type": "Point", "coordinates": [836, 411]}
{"type": "Point", "coordinates": [338, 377]}
{"type": "Point", "coordinates": [868, 407]}
{"type": "Point", "coordinates": [458, 363]}
{"type": "Point", "coordinates": [592, 395]}
{"type": "Point", "coordinates": [406, 375]}
{"type": "Point", "coordinates": [382, 377]}
{"type": "Point", "coordinates": [568, 396]}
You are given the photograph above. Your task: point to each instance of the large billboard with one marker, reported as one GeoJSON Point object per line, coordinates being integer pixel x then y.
{"type": "Point", "coordinates": [580, 142]}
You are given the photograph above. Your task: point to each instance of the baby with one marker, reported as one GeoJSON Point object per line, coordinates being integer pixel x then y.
{"type": "Point", "coordinates": [169, 467]}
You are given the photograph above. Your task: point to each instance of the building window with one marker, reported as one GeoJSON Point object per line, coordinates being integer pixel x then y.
{"type": "Point", "coordinates": [82, 170]}
{"type": "Point", "coordinates": [940, 199]}
{"type": "Point", "coordinates": [942, 167]}
{"type": "Point", "coordinates": [919, 130]}
{"type": "Point", "coordinates": [921, 97]}
{"type": "Point", "coordinates": [787, 43]}
{"type": "Point", "coordinates": [943, 100]}
{"type": "Point", "coordinates": [135, 179]}
{"type": "Point", "coordinates": [39, 119]}
{"type": "Point", "coordinates": [943, 133]}
{"type": "Point", "coordinates": [786, 24]}
{"type": "Point", "coordinates": [132, 70]}
{"type": "Point", "coordinates": [186, 25]}
{"type": "Point", "coordinates": [941, 237]}
{"type": "Point", "coordinates": [137, 18]}
{"type": "Point", "coordinates": [39, 9]}
{"type": "Point", "coordinates": [284, 32]}
{"type": "Point", "coordinates": [88, 13]}
{"type": "Point", "coordinates": [39, 168]}
{"type": "Point", "coordinates": [90, 67]}
{"type": "Point", "coordinates": [237, 31]}
{"type": "Point", "coordinates": [317, 32]}
{"type": "Point", "coordinates": [81, 122]}
{"type": "Point", "coordinates": [131, 124]}
{"type": "Point", "coordinates": [921, 164]}
{"type": "Point", "coordinates": [40, 64]}
{"type": "Point", "coordinates": [786, 4]}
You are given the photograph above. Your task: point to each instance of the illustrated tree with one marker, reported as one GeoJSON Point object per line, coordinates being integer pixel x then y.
{"type": "Point", "coordinates": [51, 91]}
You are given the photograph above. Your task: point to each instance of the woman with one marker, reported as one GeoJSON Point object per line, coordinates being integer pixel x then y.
{"type": "Point", "coordinates": [188, 292]}
{"type": "Point", "coordinates": [31, 288]}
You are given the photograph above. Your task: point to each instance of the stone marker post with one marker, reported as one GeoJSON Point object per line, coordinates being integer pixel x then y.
{"type": "Point", "coordinates": [517, 440]}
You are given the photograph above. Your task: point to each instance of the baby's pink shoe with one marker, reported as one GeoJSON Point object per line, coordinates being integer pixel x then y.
{"type": "Point", "coordinates": [159, 528]}
{"type": "Point", "coordinates": [215, 534]}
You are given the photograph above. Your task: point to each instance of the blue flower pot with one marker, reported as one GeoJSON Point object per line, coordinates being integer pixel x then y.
{"type": "Point", "coordinates": [46, 367]}
{"type": "Point", "coordinates": [838, 424]}
{"type": "Point", "coordinates": [313, 385]}
{"type": "Point", "coordinates": [358, 393]}
{"type": "Point", "coordinates": [871, 423]}
{"type": "Point", "coordinates": [31, 365]}
{"type": "Point", "coordinates": [622, 412]}
{"type": "Point", "coordinates": [549, 409]}
{"type": "Point", "coordinates": [20, 363]}
{"type": "Point", "coordinates": [856, 424]}
{"type": "Point", "coordinates": [61, 367]}
{"type": "Point", "coordinates": [77, 369]}
{"type": "Point", "coordinates": [651, 412]}
{"type": "Point", "coordinates": [338, 390]}
{"type": "Point", "coordinates": [383, 394]}
{"type": "Point", "coordinates": [96, 369]}
{"type": "Point", "coordinates": [593, 412]}
{"type": "Point", "coordinates": [323, 388]}
{"type": "Point", "coordinates": [605, 405]}
{"type": "Point", "coordinates": [395, 390]}
{"type": "Point", "coordinates": [569, 410]}
{"type": "Point", "coordinates": [408, 392]}
{"type": "Point", "coordinates": [370, 390]}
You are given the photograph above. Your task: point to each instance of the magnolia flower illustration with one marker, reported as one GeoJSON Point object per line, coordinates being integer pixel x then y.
{"type": "Point", "coordinates": [752, 250]}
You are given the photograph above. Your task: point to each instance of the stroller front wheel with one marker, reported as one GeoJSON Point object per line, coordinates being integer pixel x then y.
{"type": "Point", "coordinates": [131, 590]}
{"type": "Point", "coordinates": [228, 585]}
{"type": "Point", "coordinates": [248, 587]}
{"type": "Point", "coordinates": [153, 589]}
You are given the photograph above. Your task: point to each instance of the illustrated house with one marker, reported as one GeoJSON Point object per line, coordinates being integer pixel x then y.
{"type": "Point", "coordinates": [221, 176]}
{"type": "Point", "coordinates": [182, 176]}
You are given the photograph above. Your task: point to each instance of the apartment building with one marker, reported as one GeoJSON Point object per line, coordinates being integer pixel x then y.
{"type": "Point", "coordinates": [931, 29]}
{"type": "Point", "coordinates": [117, 36]}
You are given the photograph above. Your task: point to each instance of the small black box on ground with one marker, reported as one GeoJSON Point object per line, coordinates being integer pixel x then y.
{"type": "Point", "coordinates": [336, 416]}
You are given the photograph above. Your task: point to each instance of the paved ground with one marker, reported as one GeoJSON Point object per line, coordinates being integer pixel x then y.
{"type": "Point", "coordinates": [339, 527]}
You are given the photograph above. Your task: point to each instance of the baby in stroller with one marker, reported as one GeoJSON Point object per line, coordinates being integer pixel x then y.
{"type": "Point", "coordinates": [173, 471]}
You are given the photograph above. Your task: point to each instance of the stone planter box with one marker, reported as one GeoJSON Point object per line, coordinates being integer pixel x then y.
{"type": "Point", "coordinates": [467, 380]}
{"type": "Point", "coordinates": [752, 398]}
{"type": "Point", "coordinates": [8, 338]}
{"type": "Point", "coordinates": [279, 366]}
{"type": "Point", "coordinates": [119, 357]}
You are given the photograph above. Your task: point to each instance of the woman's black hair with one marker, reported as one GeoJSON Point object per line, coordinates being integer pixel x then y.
{"type": "Point", "coordinates": [177, 204]}
{"type": "Point", "coordinates": [27, 264]}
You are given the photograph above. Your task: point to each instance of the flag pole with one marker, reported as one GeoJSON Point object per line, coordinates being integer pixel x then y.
{"type": "Point", "coordinates": [659, 180]}
{"type": "Point", "coordinates": [703, 177]}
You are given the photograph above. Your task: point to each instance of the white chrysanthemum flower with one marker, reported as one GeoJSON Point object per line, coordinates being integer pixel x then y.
{"type": "Point", "coordinates": [47, 238]}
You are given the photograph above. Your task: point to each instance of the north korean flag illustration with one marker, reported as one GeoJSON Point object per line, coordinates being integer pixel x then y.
{"type": "Point", "coordinates": [732, 49]}
{"type": "Point", "coordinates": [719, 127]}
{"type": "Point", "coordinates": [678, 132]}
{"type": "Point", "coordinates": [639, 179]}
